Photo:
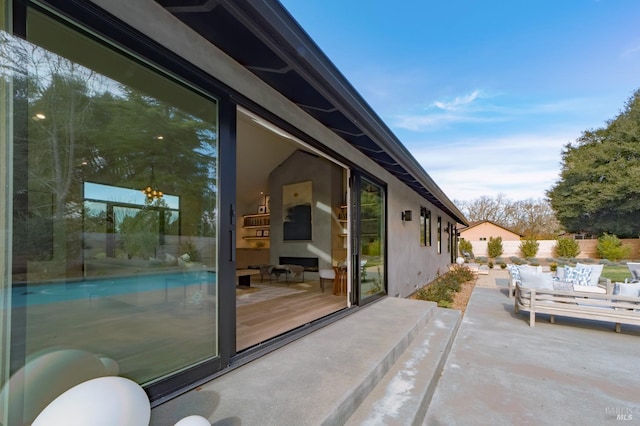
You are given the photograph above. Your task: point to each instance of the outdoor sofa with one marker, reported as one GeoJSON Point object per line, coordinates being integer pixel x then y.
{"type": "Point", "coordinates": [621, 308]}
{"type": "Point", "coordinates": [582, 277]}
{"type": "Point", "coordinates": [578, 292]}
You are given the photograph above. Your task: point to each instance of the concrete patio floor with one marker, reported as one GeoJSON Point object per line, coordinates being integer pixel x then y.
{"type": "Point", "coordinates": [497, 371]}
{"type": "Point", "coordinates": [502, 372]}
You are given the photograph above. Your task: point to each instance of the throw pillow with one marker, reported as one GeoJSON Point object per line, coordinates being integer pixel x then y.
{"type": "Point", "coordinates": [562, 286]}
{"type": "Point", "coordinates": [531, 278]}
{"type": "Point", "coordinates": [596, 271]}
{"type": "Point", "coordinates": [583, 277]}
{"type": "Point", "coordinates": [514, 271]}
{"type": "Point", "coordinates": [569, 274]}
{"type": "Point", "coordinates": [627, 289]}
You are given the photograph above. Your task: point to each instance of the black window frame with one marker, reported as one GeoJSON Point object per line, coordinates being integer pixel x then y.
{"type": "Point", "coordinates": [425, 227]}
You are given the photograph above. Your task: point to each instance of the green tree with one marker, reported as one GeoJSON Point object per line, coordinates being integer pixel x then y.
{"type": "Point", "coordinates": [494, 246]}
{"type": "Point", "coordinates": [529, 247]}
{"type": "Point", "coordinates": [567, 247]}
{"type": "Point", "coordinates": [599, 186]}
{"type": "Point", "coordinates": [611, 248]}
{"type": "Point", "coordinates": [465, 246]}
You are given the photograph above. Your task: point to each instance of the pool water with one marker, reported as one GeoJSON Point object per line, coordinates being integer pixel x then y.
{"type": "Point", "coordinates": [38, 294]}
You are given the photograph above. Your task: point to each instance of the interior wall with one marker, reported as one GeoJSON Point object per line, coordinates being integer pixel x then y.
{"type": "Point", "coordinates": [326, 179]}
{"type": "Point", "coordinates": [258, 152]}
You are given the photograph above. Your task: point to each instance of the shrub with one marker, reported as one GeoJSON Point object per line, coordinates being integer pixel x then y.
{"type": "Point", "coordinates": [611, 248]}
{"type": "Point", "coordinates": [567, 247]}
{"type": "Point", "coordinates": [464, 246]}
{"type": "Point", "coordinates": [553, 266]}
{"type": "Point", "coordinates": [189, 247]}
{"type": "Point", "coordinates": [443, 288]}
{"type": "Point", "coordinates": [503, 265]}
{"type": "Point", "coordinates": [371, 249]}
{"type": "Point", "coordinates": [529, 247]}
{"type": "Point", "coordinates": [462, 273]}
{"type": "Point", "coordinates": [494, 246]}
{"type": "Point", "coordinates": [516, 260]}
{"type": "Point", "coordinates": [436, 292]}
{"type": "Point", "coordinates": [490, 264]}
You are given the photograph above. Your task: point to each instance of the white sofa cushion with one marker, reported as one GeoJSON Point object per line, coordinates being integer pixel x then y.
{"type": "Point", "coordinates": [589, 289]}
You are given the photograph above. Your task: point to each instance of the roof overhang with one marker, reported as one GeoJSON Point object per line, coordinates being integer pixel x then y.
{"type": "Point", "coordinates": [263, 37]}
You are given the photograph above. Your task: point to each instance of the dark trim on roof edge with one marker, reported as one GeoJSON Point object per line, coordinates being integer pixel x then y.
{"type": "Point", "coordinates": [275, 26]}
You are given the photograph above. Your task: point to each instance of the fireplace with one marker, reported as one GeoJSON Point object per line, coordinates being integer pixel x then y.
{"type": "Point", "coordinates": [308, 263]}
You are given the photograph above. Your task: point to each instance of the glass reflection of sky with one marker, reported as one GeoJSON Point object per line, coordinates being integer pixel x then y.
{"type": "Point", "coordinates": [96, 191]}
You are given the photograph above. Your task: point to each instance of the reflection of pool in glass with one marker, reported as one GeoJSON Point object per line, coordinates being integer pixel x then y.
{"type": "Point", "coordinates": [39, 294]}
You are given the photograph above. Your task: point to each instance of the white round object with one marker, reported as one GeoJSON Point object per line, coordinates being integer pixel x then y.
{"type": "Point", "coordinates": [105, 401]}
{"type": "Point", "coordinates": [46, 375]}
{"type": "Point", "coordinates": [111, 366]}
{"type": "Point", "coordinates": [193, 421]}
{"type": "Point", "coordinates": [459, 260]}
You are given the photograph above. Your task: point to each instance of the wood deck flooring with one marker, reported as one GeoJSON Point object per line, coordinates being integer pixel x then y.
{"type": "Point", "coordinates": [263, 320]}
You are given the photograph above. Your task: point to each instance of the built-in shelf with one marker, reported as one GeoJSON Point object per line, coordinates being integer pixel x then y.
{"type": "Point", "coordinates": [260, 223]}
{"type": "Point", "coordinates": [342, 218]}
{"type": "Point", "coordinates": [256, 220]}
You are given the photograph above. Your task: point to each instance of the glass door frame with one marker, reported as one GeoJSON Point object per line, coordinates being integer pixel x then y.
{"type": "Point", "coordinates": [356, 181]}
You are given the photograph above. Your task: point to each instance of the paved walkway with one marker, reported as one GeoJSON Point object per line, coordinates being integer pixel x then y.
{"type": "Point", "coordinates": [502, 372]}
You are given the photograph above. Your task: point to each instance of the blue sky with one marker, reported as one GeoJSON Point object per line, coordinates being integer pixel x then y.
{"type": "Point", "coordinates": [484, 94]}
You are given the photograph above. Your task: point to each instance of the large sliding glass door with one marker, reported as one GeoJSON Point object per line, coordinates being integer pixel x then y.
{"type": "Point", "coordinates": [369, 263]}
{"type": "Point", "coordinates": [112, 233]}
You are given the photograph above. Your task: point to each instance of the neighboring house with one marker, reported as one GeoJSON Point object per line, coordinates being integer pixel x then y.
{"type": "Point", "coordinates": [155, 155]}
{"type": "Point", "coordinates": [484, 230]}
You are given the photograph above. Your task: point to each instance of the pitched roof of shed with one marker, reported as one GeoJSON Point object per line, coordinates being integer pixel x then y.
{"type": "Point", "coordinates": [477, 223]}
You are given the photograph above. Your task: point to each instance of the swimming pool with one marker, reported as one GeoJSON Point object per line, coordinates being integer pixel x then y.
{"type": "Point", "coordinates": [38, 294]}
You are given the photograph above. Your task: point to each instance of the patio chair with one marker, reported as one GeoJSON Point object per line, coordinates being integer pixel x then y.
{"type": "Point", "coordinates": [634, 268]}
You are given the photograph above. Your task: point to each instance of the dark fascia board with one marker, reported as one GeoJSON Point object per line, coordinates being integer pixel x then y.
{"type": "Point", "coordinates": [273, 24]}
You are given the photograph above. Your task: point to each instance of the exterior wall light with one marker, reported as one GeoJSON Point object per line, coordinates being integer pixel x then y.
{"type": "Point", "coordinates": [406, 216]}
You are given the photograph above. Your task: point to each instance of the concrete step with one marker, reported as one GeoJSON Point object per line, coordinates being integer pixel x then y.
{"type": "Point", "coordinates": [402, 396]}
{"type": "Point", "coordinates": [324, 377]}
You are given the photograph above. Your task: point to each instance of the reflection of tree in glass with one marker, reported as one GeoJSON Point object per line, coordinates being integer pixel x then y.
{"type": "Point", "coordinates": [73, 125]}
{"type": "Point", "coordinates": [371, 205]}
{"type": "Point", "coordinates": [139, 233]}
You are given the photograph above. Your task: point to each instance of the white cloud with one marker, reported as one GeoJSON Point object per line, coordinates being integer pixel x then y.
{"type": "Point", "coordinates": [430, 121]}
{"type": "Point", "coordinates": [631, 51]}
{"type": "Point", "coordinates": [457, 102]}
{"type": "Point", "coordinates": [519, 166]}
